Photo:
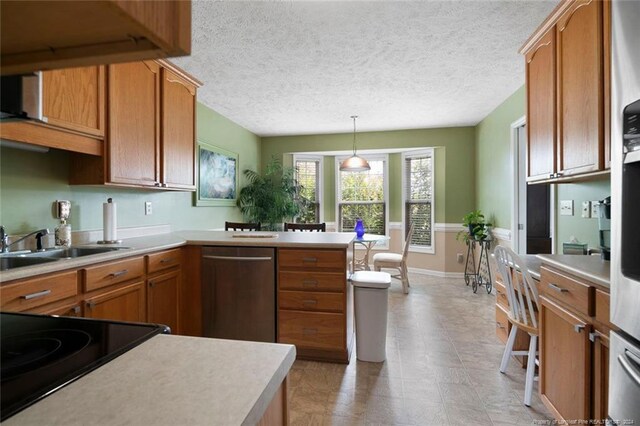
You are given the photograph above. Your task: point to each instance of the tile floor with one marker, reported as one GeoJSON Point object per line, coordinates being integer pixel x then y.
{"type": "Point", "coordinates": [441, 368]}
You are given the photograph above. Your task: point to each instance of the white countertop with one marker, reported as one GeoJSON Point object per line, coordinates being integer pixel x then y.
{"type": "Point", "coordinates": [147, 244]}
{"type": "Point", "coordinates": [591, 268]}
{"type": "Point", "coordinates": [171, 380]}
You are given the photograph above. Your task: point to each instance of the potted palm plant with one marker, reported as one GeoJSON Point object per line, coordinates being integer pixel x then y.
{"type": "Point", "coordinates": [271, 197]}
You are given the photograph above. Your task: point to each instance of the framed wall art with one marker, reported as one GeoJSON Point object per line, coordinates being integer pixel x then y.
{"type": "Point", "coordinates": [217, 176]}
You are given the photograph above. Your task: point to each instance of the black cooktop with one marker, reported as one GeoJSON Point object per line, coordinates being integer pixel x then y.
{"type": "Point", "coordinates": [40, 353]}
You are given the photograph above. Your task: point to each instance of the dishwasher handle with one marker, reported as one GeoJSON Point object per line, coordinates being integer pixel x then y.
{"type": "Point", "coordinates": [240, 258]}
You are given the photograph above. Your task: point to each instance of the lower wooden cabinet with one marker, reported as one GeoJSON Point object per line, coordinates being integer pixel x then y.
{"type": "Point", "coordinates": [123, 304]}
{"type": "Point", "coordinates": [565, 359]}
{"type": "Point", "coordinates": [162, 299]}
{"type": "Point", "coordinates": [600, 387]}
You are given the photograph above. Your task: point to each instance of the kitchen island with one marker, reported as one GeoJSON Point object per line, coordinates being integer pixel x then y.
{"type": "Point", "coordinates": [172, 380]}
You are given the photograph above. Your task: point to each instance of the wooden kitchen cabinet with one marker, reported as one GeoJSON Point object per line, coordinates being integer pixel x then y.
{"type": "Point", "coordinates": [163, 288]}
{"type": "Point", "coordinates": [64, 34]}
{"type": "Point", "coordinates": [31, 293]}
{"type": "Point", "coordinates": [151, 132]}
{"type": "Point", "coordinates": [315, 303]}
{"type": "Point", "coordinates": [133, 150]}
{"type": "Point", "coordinates": [124, 303]}
{"type": "Point", "coordinates": [567, 72]}
{"type": "Point", "coordinates": [600, 387]}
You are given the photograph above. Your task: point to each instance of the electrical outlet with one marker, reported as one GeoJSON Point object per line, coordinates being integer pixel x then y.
{"type": "Point", "coordinates": [566, 208]}
{"type": "Point", "coordinates": [460, 257]}
{"type": "Point", "coordinates": [148, 209]}
{"type": "Point", "coordinates": [586, 209]}
{"type": "Point", "coordinates": [595, 209]}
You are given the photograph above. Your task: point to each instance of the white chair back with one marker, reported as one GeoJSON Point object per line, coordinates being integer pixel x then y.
{"type": "Point", "coordinates": [521, 290]}
{"type": "Point", "coordinates": [407, 242]}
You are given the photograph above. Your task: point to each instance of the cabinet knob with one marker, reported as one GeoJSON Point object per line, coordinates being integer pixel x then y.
{"type": "Point", "coordinates": [90, 305]}
{"type": "Point", "coordinates": [75, 309]}
{"type": "Point", "coordinates": [551, 176]}
{"type": "Point", "coordinates": [578, 328]}
{"type": "Point", "coordinates": [156, 184]}
{"type": "Point", "coordinates": [164, 185]}
{"type": "Point", "coordinates": [593, 336]}
{"type": "Point", "coordinates": [152, 284]}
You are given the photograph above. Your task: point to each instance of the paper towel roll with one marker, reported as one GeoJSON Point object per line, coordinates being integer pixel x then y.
{"type": "Point", "coordinates": [109, 221]}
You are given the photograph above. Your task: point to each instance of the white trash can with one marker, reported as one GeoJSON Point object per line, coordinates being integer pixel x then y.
{"type": "Point", "coordinates": [371, 294]}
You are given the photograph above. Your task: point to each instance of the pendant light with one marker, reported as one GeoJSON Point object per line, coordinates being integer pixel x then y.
{"type": "Point", "coordinates": [354, 163]}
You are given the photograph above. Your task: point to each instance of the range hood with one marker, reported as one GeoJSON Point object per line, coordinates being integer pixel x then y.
{"type": "Point", "coordinates": [21, 97]}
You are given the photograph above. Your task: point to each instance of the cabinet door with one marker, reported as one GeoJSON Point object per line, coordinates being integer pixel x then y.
{"type": "Point", "coordinates": [162, 299]}
{"type": "Point", "coordinates": [565, 362]}
{"type": "Point", "coordinates": [600, 374]}
{"type": "Point", "coordinates": [178, 132]}
{"type": "Point", "coordinates": [74, 98]}
{"type": "Point", "coordinates": [580, 88]}
{"type": "Point", "coordinates": [541, 108]}
{"type": "Point", "coordinates": [134, 116]}
{"type": "Point", "coordinates": [124, 304]}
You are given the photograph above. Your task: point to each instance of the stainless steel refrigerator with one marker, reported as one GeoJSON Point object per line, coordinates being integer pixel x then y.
{"type": "Point", "coordinates": [624, 361]}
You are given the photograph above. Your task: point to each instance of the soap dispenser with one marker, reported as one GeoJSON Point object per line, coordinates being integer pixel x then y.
{"type": "Point", "coordinates": [63, 230]}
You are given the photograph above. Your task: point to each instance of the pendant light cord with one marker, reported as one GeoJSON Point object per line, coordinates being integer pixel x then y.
{"type": "Point", "coordinates": [354, 133]}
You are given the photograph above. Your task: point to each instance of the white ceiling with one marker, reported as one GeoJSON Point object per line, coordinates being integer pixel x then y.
{"type": "Point", "coordinates": [283, 68]}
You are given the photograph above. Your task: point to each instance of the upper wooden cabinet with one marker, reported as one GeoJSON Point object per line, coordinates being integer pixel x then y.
{"type": "Point", "coordinates": [151, 138]}
{"type": "Point", "coordinates": [41, 35]}
{"type": "Point", "coordinates": [567, 92]}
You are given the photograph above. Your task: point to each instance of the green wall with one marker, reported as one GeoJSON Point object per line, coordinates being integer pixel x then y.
{"type": "Point", "coordinates": [30, 182]}
{"type": "Point", "coordinates": [493, 163]}
{"type": "Point", "coordinates": [584, 230]}
{"type": "Point", "coordinates": [454, 164]}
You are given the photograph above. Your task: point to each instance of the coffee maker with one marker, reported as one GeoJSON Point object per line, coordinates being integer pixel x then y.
{"type": "Point", "coordinates": [604, 223]}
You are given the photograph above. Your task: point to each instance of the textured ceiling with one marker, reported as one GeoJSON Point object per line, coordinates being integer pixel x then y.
{"type": "Point", "coordinates": [283, 68]}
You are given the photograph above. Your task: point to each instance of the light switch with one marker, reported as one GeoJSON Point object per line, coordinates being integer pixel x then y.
{"type": "Point", "coordinates": [566, 208]}
{"type": "Point", "coordinates": [586, 209]}
{"type": "Point", "coordinates": [595, 209]}
{"type": "Point", "coordinates": [148, 208]}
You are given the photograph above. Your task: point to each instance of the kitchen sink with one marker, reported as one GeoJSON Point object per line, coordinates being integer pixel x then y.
{"type": "Point", "coordinates": [72, 252]}
{"type": "Point", "coordinates": [27, 258]}
{"type": "Point", "coordinates": [19, 261]}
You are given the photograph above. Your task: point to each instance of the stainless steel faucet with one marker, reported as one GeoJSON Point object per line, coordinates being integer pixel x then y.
{"type": "Point", "coordinates": [4, 238]}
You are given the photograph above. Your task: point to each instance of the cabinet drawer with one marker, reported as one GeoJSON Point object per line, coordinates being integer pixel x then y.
{"type": "Point", "coordinates": [163, 260]}
{"type": "Point", "coordinates": [112, 273]}
{"type": "Point", "coordinates": [39, 291]}
{"type": "Point", "coordinates": [312, 259]}
{"type": "Point", "coordinates": [501, 295]}
{"type": "Point", "coordinates": [314, 281]}
{"type": "Point", "coordinates": [502, 324]}
{"type": "Point", "coordinates": [570, 292]}
{"type": "Point", "coordinates": [603, 303]}
{"type": "Point", "coordinates": [311, 301]}
{"type": "Point", "coordinates": [311, 329]}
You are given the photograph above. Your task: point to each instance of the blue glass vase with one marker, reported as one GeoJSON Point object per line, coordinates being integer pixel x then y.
{"type": "Point", "coordinates": [359, 228]}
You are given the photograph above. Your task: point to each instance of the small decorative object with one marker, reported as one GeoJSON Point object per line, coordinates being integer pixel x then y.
{"type": "Point", "coordinates": [359, 228]}
{"type": "Point", "coordinates": [63, 230]}
{"type": "Point", "coordinates": [354, 163]}
{"type": "Point", "coordinates": [217, 176]}
{"type": "Point", "coordinates": [478, 228]}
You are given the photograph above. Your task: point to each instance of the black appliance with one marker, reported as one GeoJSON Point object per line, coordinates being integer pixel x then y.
{"type": "Point", "coordinates": [41, 354]}
{"type": "Point", "coordinates": [21, 97]}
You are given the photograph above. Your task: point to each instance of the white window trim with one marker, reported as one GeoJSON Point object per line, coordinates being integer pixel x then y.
{"type": "Point", "coordinates": [371, 157]}
{"type": "Point", "coordinates": [320, 189]}
{"type": "Point", "coordinates": [410, 154]}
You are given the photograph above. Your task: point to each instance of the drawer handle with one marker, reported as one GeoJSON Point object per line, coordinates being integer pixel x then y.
{"type": "Point", "coordinates": [75, 310]}
{"type": "Point", "coordinates": [171, 259]}
{"type": "Point", "coordinates": [310, 283]}
{"type": "Point", "coordinates": [310, 259]}
{"type": "Point", "coordinates": [499, 325]}
{"type": "Point", "coordinates": [309, 331]}
{"type": "Point", "coordinates": [119, 273]}
{"type": "Point", "coordinates": [593, 336]}
{"type": "Point", "coordinates": [152, 284]}
{"type": "Point", "coordinates": [578, 328]}
{"type": "Point", "coordinates": [91, 305]}
{"type": "Point", "coordinates": [36, 295]}
{"type": "Point", "coordinates": [558, 288]}
{"type": "Point", "coordinates": [310, 302]}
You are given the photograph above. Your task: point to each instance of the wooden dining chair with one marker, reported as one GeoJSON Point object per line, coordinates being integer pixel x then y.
{"type": "Point", "coordinates": [308, 227]}
{"type": "Point", "coordinates": [396, 261]}
{"type": "Point", "coordinates": [522, 295]}
{"type": "Point", "coordinates": [241, 226]}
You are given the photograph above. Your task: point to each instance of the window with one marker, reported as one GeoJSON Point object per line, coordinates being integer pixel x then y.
{"type": "Point", "coordinates": [363, 195]}
{"type": "Point", "coordinates": [309, 175]}
{"type": "Point", "coordinates": [418, 198]}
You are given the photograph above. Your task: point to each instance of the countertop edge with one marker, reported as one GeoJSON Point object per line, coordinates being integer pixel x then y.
{"type": "Point", "coordinates": [263, 401]}
{"type": "Point", "coordinates": [546, 259]}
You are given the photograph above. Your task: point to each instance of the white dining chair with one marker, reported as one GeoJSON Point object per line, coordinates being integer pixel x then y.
{"type": "Point", "coordinates": [522, 295]}
{"type": "Point", "coordinates": [396, 261]}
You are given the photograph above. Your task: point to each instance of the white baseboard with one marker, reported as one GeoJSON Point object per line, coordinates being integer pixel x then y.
{"type": "Point", "coordinates": [440, 274]}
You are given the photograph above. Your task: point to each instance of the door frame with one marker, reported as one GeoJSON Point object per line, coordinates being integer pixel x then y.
{"type": "Point", "coordinates": [515, 194]}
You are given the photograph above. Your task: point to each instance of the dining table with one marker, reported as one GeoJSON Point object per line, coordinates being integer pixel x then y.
{"type": "Point", "coordinates": [367, 241]}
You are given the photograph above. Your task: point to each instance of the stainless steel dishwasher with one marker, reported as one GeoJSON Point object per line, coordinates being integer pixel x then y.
{"type": "Point", "coordinates": [239, 293]}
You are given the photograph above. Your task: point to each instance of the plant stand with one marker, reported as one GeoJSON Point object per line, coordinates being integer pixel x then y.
{"type": "Point", "coordinates": [480, 275]}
